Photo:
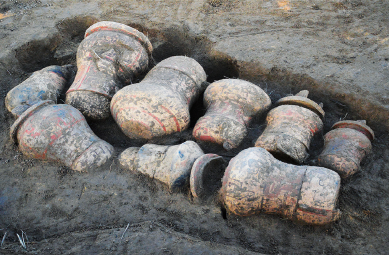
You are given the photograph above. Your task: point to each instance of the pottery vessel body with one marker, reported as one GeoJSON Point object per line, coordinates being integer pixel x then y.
{"type": "Point", "coordinates": [256, 182]}
{"type": "Point", "coordinates": [110, 55]}
{"type": "Point", "coordinates": [168, 164]}
{"type": "Point", "coordinates": [230, 104]}
{"type": "Point", "coordinates": [345, 147]}
{"type": "Point", "coordinates": [291, 127]}
{"type": "Point", "coordinates": [159, 105]}
{"type": "Point", "coordinates": [59, 133]}
{"type": "Point", "coordinates": [45, 84]}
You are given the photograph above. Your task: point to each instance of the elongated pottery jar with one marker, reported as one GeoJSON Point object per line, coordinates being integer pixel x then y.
{"type": "Point", "coordinates": [159, 105]}
{"type": "Point", "coordinates": [345, 146]}
{"type": "Point", "coordinates": [110, 55]}
{"type": "Point", "coordinates": [230, 103]}
{"type": "Point", "coordinates": [45, 84]}
{"type": "Point", "coordinates": [256, 182]}
{"type": "Point", "coordinates": [59, 132]}
{"type": "Point", "coordinates": [168, 164]}
{"type": "Point", "coordinates": [291, 126]}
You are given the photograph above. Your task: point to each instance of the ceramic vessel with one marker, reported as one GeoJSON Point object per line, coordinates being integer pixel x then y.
{"type": "Point", "coordinates": [256, 182]}
{"type": "Point", "coordinates": [345, 146]}
{"type": "Point", "coordinates": [110, 55]}
{"type": "Point", "coordinates": [206, 176]}
{"type": "Point", "coordinates": [291, 126]}
{"type": "Point", "coordinates": [45, 84]}
{"type": "Point", "coordinates": [168, 164]}
{"type": "Point", "coordinates": [159, 105]}
{"type": "Point", "coordinates": [230, 104]}
{"type": "Point", "coordinates": [59, 132]}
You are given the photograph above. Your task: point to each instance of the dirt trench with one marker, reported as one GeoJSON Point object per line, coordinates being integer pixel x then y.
{"type": "Point", "coordinates": [111, 211]}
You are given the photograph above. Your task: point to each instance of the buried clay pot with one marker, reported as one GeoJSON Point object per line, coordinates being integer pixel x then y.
{"type": "Point", "coordinates": [168, 164]}
{"type": "Point", "coordinates": [256, 182]}
{"type": "Point", "coordinates": [230, 103]}
{"type": "Point", "coordinates": [110, 55]}
{"type": "Point", "coordinates": [291, 126]}
{"type": "Point", "coordinates": [45, 84]}
{"type": "Point", "coordinates": [206, 176]}
{"type": "Point", "coordinates": [59, 133]}
{"type": "Point", "coordinates": [345, 146]}
{"type": "Point", "coordinates": [159, 105]}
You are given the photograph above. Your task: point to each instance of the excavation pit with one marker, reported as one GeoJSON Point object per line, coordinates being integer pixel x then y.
{"type": "Point", "coordinates": [48, 201]}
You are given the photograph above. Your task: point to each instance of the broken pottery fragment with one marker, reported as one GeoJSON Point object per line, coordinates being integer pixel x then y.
{"type": "Point", "coordinates": [291, 126]}
{"type": "Point", "coordinates": [345, 146]}
{"type": "Point", "coordinates": [230, 104]}
{"type": "Point", "coordinates": [45, 84]}
{"type": "Point", "coordinates": [256, 182]}
{"type": "Point", "coordinates": [110, 55]}
{"type": "Point", "coordinates": [159, 105]}
{"type": "Point", "coordinates": [168, 164]}
{"type": "Point", "coordinates": [59, 132]}
{"type": "Point", "coordinates": [206, 175]}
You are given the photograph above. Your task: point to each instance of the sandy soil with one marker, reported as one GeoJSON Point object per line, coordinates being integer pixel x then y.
{"type": "Point", "coordinates": [339, 50]}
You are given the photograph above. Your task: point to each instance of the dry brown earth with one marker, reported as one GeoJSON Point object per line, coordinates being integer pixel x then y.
{"type": "Point", "coordinates": [339, 50]}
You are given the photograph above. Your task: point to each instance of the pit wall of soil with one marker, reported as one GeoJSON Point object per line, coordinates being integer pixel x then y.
{"type": "Point", "coordinates": [111, 210]}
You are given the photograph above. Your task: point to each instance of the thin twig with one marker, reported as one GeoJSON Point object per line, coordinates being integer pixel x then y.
{"type": "Point", "coordinates": [96, 54]}
{"type": "Point", "coordinates": [21, 241]}
{"type": "Point", "coordinates": [125, 230]}
{"type": "Point", "coordinates": [343, 117]}
{"type": "Point", "coordinates": [237, 34]}
{"type": "Point", "coordinates": [82, 190]}
{"type": "Point", "coordinates": [24, 233]}
{"type": "Point", "coordinates": [2, 241]}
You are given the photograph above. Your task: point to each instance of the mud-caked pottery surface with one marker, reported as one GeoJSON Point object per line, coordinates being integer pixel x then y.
{"type": "Point", "coordinates": [291, 126]}
{"type": "Point", "coordinates": [159, 105]}
{"type": "Point", "coordinates": [169, 164]}
{"type": "Point", "coordinates": [59, 132]}
{"type": "Point", "coordinates": [45, 84]}
{"type": "Point", "coordinates": [110, 55]}
{"type": "Point", "coordinates": [230, 104]}
{"type": "Point", "coordinates": [256, 182]}
{"type": "Point", "coordinates": [345, 146]}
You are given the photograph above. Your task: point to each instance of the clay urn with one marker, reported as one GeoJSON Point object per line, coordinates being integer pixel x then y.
{"type": "Point", "coordinates": [59, 132]}
{"type": "Point", "coordinates": [159, 105]}
{"type": "Point", "coordinates": [291, 126]}
{"type": "Point", "coordinates": [110, 55]}
{"type": "Point", "coordinates": [256, 182]}
{"type": "Point", "coordinates": [230, 104]}
{"type": "Point", "coordinates": [45, 84]}
{"type": "Point", "coordinates": [206, 176]}
{"type": "Point", "coordinates": [169, 164]}
{"type": "Point", "coordinates": [345, 146]}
